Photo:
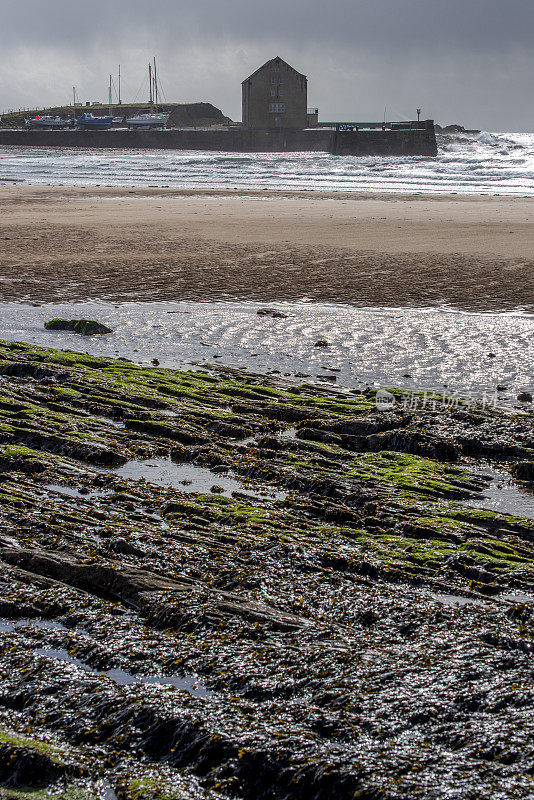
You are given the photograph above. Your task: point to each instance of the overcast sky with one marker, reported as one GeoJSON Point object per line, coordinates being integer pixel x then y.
{"type": "Point", "coordinates": [467, 61]}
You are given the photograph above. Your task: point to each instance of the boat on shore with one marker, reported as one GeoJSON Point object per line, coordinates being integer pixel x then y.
{"type": "Point", "coordinates": [47, 122]}
{"type": "Point", "coordinates": [88, 122]}
{"type": "Point", "coordinates": [145, 122]}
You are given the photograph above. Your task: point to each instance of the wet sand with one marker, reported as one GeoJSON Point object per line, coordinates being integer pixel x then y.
{"type": "Point", "coordinates": [62, 243]}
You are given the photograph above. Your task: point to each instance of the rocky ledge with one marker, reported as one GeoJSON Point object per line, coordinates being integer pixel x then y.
{"type": "Point", "coordinates": [213, 585]}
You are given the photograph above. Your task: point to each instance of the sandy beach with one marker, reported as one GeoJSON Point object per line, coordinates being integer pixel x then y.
{"type": "Point", "coordinates": [62, 243]}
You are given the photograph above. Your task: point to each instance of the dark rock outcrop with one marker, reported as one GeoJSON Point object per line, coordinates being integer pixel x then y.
{"type": "Point", "coordinates": [271, 312]}
{"type": "Point", "coordinates": [85, 327]}
{"type": "Point", "coordinates": [135, 587]}
{"type": "Point", "coordinates": [24, 766]}
{"type": "Point", "coordinates": [524, 470]}
{"type": "Point", "coordinates": [456, 129]}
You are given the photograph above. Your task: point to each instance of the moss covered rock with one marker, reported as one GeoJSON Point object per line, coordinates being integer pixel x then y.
{"type": "Point", "coordinates": [85, 327]}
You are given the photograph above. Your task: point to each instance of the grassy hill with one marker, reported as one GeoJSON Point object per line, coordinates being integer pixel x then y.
{"type": "Point", "coordinates": [192, 115]}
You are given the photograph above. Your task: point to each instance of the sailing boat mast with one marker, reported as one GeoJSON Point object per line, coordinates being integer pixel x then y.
{"type": "Point", "coordinates": [119, 84]}
{"type": "Point", "coordinates": [150, 85]}
{"type": "Point", "coordinates": [155, 84]}
{"type": "Point", "coordinates": [110, 98]}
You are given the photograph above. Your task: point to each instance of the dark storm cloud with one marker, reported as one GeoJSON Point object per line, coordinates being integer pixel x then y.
{"type": "Point", "coordinates": [461, 59]}
{"type": "Point", "coordinates": [480, 24]}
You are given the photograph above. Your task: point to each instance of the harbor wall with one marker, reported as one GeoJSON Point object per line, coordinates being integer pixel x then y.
{"type": "Point", "coordinates": [412, 142]}
{"type": "Point", "coordinates": [240, 140]}
{"type": "Point", "coordinates": [236, 140]}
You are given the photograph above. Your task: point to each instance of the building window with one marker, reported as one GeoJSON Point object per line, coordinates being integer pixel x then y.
{"type": "Point", "coordinates": [273, 93]}
{"type": "Point", "coordinates": [277, 108]}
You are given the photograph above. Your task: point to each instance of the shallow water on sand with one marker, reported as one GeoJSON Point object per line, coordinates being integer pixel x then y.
{"type": "Point", "coordinates": [434, 349]}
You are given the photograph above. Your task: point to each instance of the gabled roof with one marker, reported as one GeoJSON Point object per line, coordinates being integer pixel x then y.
{"type": "Point", "coordinates": [268, 64]}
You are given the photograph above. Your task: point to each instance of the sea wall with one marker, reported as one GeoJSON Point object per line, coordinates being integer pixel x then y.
{"type": "Point", "coordinates": [412, 142]}
{"type": "Point", "coordinates": [236, 139]}
{"type": "Point", "coordinates": [222, 139]}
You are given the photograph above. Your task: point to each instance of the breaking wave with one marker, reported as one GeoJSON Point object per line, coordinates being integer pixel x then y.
{"type": "Point", "coordinates": [487, 163]}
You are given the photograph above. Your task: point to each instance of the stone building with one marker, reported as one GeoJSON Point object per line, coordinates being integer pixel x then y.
{"type": "Point", "coordinates": [275, 96]}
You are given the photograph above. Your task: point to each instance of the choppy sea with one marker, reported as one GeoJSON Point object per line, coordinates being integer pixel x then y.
{"type": "Point", "coordinates": [489, 163]}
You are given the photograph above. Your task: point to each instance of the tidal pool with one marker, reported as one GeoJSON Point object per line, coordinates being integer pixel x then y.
{"type": "Point", "coordinates": [122, 678]}
{"type": "Point", "coordinates": [7, 626]}
{"type": "Point", "coordinates": [71, 491]}
{"type": "Point", "coordinates": [191, 479]}
{"type": "Point", "coordinates": [505, 496]}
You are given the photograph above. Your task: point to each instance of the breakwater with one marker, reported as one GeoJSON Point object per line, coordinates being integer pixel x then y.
{"type": "Point", "coordinates": [409, 141]}
{"type": "Point", "coordinates": [413, 141]}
